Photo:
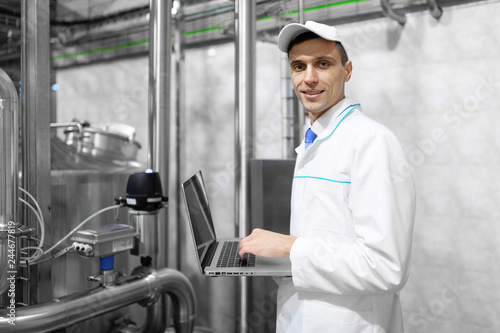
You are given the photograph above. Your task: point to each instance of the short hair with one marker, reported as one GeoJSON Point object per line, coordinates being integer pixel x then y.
{"type": "Point", "coordinates": [311, 35]}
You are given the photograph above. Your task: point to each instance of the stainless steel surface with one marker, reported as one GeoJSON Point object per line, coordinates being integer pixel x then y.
{"type": "Point", "coordinates": [291, 111]}
{"type": "Point", "coordinates": [287, 109]}
{"type": "Point", "coordinates": [106, 142]}
{"type": "Point", "coordinates": [159, 86]}
{"type": "Point", "coordinates": [244, 128]}
{"type": "Point", "coordinates": [152, 323]}
{"type": "Point", "coordinates": [69, 310]}
{"type": "Point", "coordinates": [177, 240]}
{"type": "Point", "coordinates": [102, 143]}
{"type": "Point", "coordinates": [301, 12]}
{"type": "Point", "coordinates": [160, 44]}
{"type": "Point", "coordinates": [389, 12]}
{"type": "Point", "coordinates": [68, 125]}
{"type": "Point", "coordinates": [105, 240]}
{"type": "Point", "coordinates": [73, 133]}
{"type": "Point", "coordinates": [109, 278]}
{"type": "Point", "coordinates": [126, 35]}
{"type": "Point", "coordinates": [77, 194]}
{"type": "Point", "coordinates": [8, 174]}
{"type": "Point", "coordinates": [35, 128]}
{"type": "Point", "coordinates": [146, 223]}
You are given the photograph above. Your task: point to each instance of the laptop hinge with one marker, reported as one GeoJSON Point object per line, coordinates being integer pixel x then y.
{"type": "Point", "coordinates": [210, 255]}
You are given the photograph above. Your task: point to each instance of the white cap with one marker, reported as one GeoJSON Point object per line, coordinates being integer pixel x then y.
{"type": "Point", "coordinates": [292, 30]}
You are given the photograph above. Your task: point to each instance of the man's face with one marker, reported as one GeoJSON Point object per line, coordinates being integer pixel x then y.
{"type": "Point", "coordinates": [318, 76]}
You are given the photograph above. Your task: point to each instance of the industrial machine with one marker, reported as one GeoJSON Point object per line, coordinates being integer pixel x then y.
{"type": "Point", "coordinates": [144, 285]}
{"type": "Point", "coordinates": [91, 284]}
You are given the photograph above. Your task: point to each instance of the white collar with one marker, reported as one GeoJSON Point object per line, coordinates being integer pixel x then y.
{"type": "Point", "coordinates": [324, 125]}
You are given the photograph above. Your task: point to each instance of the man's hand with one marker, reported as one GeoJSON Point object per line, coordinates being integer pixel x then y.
{"type": "Point", "coordinates": [266, 244]}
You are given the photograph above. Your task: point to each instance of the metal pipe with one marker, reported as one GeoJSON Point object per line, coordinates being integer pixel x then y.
{"type": "Point", "coordinates": [435, 9]}
{"type": "Point", "coordinates": [293, 114]}
{"type": "Point", "coordinates": [159, 108]}
{"type": "Point", "coordinates": [152, 93]}
{"type": "Point", "coordinates": [35, 132]}
{"type": "Point", "coordinates": [153, 311]}
{"type": "Point", "coordinates": [179, 243]}
{"type": "Point", "coordinates": [160, 45]}
{"type": "Point", "coordinates": [76, 124]}
{"type": "Point", "coordinates": [286, 109]}
{"type": "Point", "coordinates": [9, 110]}
{"type": "Point", "coordinates": [301, 12]}
{"type": "Point", "coordinates": [160, 41]}
{"type": "Point", "coordinates": [298, 109]}
{"type": "Point", "coordinates": [389, 12]}
{"type": "Point", "coordinates": [245, 100]}
{"type": "Point", "coordinates": [244, 127]}
{"type": "Point", "coordinates": [287, 96]}
{"type": "Point", "coordinates": [69, 310]}
{"type": "Point", "coordinates": [146, 244]}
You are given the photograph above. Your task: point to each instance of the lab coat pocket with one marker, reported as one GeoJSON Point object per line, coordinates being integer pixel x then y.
{"type": "Point", "coordinates": [325, 202]}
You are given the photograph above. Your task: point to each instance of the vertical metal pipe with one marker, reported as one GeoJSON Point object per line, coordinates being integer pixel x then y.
{"type": "Point", "coordinates": [146, 223]}
{"type": "Point", "coordinates": [288, 110]}
{"type": "Point", "coordinates": [244, 130]}
{"type": "Point", "coordinates": [298, 108]}
{"type": "Point", "coordinates": [35, 126]}
{"type": "Point", "coordinates": [8, 178]}
{"type": "Point", "coordinates": [293, 114]}
{"type": "Point", "coordinates": [159, 120]}
{"type": "Point", "coordinates": [301, 11]}
{"type": "Point", "coordinates": [160, 45]}
{"type": "Point", "coordinates": [152, 120]}
{"type": "Point", "coordinates": [160, 42]}
{"type": "Point", "coordinates": [180, 130]}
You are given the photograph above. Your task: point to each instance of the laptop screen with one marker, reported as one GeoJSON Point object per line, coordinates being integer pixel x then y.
{"type": "Point", "coordinates": [199, 213]}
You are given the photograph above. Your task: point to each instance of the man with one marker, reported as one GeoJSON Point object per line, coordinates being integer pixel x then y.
{"type": "Point", "coordinates": [352, 213]}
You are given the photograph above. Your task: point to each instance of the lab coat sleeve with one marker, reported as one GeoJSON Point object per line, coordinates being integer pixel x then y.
{"type": "Point", "coordinates": [382, 206]}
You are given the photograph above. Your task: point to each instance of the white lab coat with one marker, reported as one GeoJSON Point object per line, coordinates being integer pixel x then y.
{"type": "Point", "coordinates": [353, 207]}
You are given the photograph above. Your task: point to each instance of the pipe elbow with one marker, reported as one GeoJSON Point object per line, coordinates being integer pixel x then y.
{"type": "Point", "coordinates": [179, 289]}
{"type": "Point", "coordinates": [72, 309]}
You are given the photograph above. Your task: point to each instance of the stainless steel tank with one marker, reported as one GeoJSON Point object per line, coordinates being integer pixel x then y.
{"type": "Point", "coordinates": [82, 185]}
{"type": "Point", "coordinates": [8, 178]}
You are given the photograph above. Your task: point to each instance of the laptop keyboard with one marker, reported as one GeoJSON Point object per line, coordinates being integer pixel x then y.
{"type": "Point", "coordinates": [230, 258]}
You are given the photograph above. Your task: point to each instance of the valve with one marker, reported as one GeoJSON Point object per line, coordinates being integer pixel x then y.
{"type": "Point", "coordinates": [108, 276]}
{"type": "Point", "coordinates": [144, 192]}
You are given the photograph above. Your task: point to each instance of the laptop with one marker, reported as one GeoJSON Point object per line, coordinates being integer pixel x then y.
{"type": "Point", "coordinates": [219, 257]}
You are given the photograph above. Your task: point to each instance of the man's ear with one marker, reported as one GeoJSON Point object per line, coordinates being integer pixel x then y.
{"type": "Point", "coordinates": [348, 70]}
